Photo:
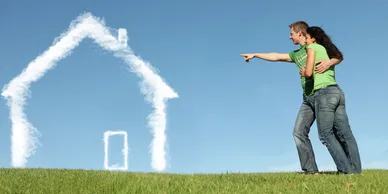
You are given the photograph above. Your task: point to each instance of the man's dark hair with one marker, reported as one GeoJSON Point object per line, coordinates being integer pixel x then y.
{"type": "Point", "coordinates": [299, 26]}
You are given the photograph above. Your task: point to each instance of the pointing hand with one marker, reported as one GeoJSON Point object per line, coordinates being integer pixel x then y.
{"type": "Point", "coordinates": [247, 57]}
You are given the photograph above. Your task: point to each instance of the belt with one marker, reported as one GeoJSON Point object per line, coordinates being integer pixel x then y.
{"type": "Point", "coordinates": [332, 85]}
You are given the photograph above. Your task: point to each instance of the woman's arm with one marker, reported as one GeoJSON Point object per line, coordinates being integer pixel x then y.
{"type": "Point", "coordinates": [310, 63]}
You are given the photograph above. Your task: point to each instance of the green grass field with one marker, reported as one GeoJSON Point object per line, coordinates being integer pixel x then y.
{"type": "Point", "coordinates": [42, 181]}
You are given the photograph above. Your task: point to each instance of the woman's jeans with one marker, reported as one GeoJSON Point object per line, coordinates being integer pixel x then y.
{"type": "Point", "coordinates": [334, 129]}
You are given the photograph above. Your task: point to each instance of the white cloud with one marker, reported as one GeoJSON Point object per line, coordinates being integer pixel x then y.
{"type": "Point", "coordinates": [156, 91]}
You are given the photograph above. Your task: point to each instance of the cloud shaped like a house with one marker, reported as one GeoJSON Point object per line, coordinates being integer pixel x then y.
{"type": "Point", "coordinates": [24, 135]}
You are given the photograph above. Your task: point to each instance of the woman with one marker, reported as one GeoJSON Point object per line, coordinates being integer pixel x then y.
{"type": "Point", "coordinates": [329, 103]}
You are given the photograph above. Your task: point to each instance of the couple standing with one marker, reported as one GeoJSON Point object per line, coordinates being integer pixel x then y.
{"type": "Point", "coordinates": [323, 99]}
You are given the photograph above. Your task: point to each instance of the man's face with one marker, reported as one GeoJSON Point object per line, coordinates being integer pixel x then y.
{"type": "Point", "coordinates": [295, 36]}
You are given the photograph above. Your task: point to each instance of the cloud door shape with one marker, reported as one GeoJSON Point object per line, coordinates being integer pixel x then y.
{"type": "Point", "coordinates": [24, 137]}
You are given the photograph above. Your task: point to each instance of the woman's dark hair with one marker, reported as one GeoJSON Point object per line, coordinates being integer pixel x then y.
{"type": "Point", "coordinates": [323, 39]}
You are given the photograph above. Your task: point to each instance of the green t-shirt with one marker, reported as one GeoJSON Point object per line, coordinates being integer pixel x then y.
{"type": "Point", "coordinates": [299, 57]}
{"type": "Point", "coordinates": [326, 78]}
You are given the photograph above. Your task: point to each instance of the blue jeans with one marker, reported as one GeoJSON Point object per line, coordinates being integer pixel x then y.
{"type": "Point", "coordinates": [304, 120]}
{"type": "Point", "coordinates": [334, 129]}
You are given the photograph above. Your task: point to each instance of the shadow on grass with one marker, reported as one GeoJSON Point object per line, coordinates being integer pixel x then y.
{"type": "Point", "coordinates": [323, 172]}
{"type": "Point", "coordinates": [330, 172]}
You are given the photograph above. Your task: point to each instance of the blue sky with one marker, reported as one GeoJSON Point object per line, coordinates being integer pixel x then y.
{"type": "Point", "coordinates": [230, 115]}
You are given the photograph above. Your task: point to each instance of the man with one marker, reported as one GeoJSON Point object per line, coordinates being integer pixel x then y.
{"type": "Point", "coordinates": [306, 115]}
